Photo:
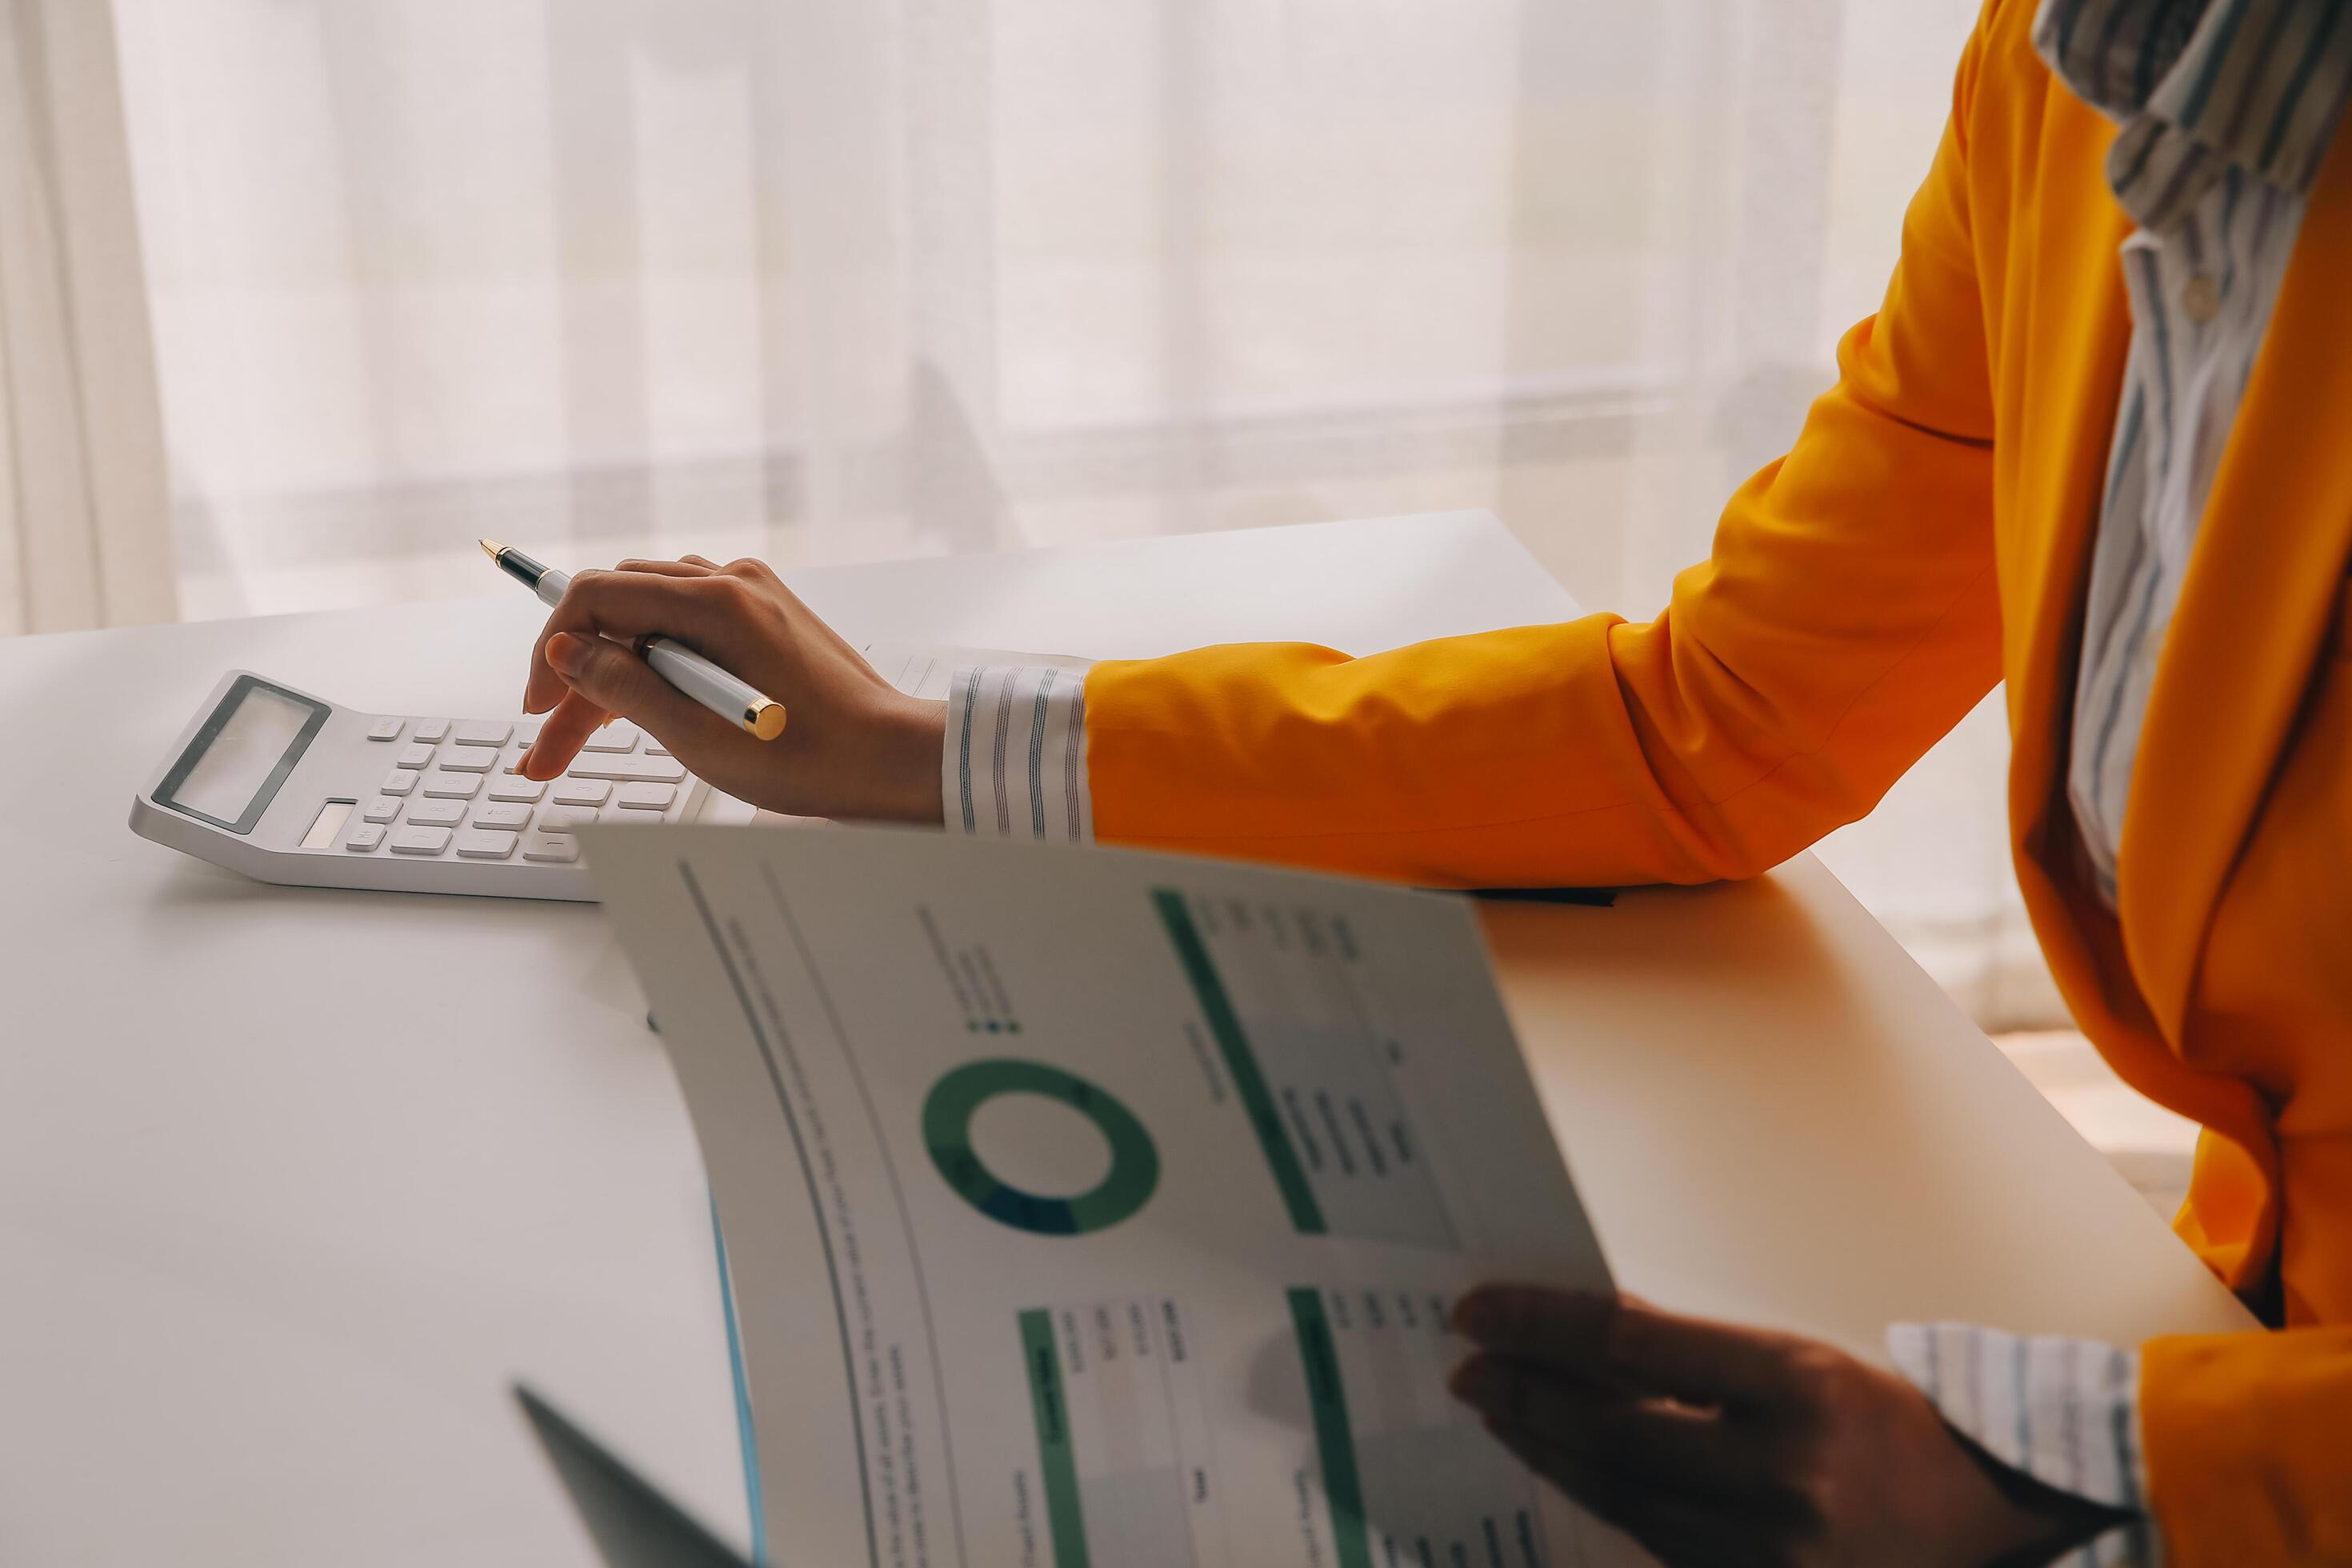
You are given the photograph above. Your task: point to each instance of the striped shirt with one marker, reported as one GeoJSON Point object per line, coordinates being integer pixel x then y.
{"type": "Point", "coordinates": [1016, 760]}
{"type": "Point", "coordinates": [2224, 108]}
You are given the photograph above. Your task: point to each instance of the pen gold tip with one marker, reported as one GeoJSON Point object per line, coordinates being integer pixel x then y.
{"type": "Point", "coordinates": [491, 548]}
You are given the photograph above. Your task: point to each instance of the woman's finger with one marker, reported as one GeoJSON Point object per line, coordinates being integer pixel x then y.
{"type": "Point", "coordinates": [1617, 1340]}
{"type": "Point", "coordinates": [626, 606]}
{"type": "Point", "coordinates": [1676, 1528]}
{"type": "Point", "coordinates": [561, 735]}
{"type": "Point", "coordinates": [686, 566]}
{"type": "Point", "coordinates": [1695, 1451]}
{"type": "Point", "coordinates": [608, 677]}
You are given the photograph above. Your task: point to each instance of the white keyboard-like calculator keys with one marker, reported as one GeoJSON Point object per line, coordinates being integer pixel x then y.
{"type": "Point", "coordinates": [560, 848]}
{"type": "Point", "coordinates": [629, 770]}
{"type": "Point", "coordinates": [485, 844]}
{"type": "Point", "coordinates": [413, 840]}
{"type": "Point", "coordinates": [447, 793]}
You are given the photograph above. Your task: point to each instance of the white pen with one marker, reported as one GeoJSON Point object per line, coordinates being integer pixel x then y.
{"type": "Point", "coordinates": [731, 698]}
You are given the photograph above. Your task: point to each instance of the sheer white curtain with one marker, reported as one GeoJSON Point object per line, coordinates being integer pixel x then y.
{"type": "Point", "coordinates": [843, 278]}
{"type": "Point", "coordinates": [85, 535]}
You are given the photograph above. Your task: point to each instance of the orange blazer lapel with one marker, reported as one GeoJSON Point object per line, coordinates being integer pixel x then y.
{"type": "Point", "coordinates": [2261, 585]}
{"type": "Point", "coordinates": [2066, 331]}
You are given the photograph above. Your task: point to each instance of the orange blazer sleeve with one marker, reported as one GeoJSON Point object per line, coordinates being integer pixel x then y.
{"type": "Point", "coordinates": [2247, 1438]}
{"type": "Point", "coordinates": [1846, 618]}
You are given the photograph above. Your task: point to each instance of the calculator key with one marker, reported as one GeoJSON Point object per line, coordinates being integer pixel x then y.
{"type": "Point", "coordinates": [437, 813]}
{"type": "Point", "coordinates": [512, 787]}
{"type": "Point", "coordinates": [414, 840]}
{"type": "Point", "coordinates": [453, 786]}
{"type": "Point", "coordinates": [400, 781]}
{"type": "Point", "coordinates": [628, 769]}
{"type": "Point", "coordinates": [504, 816]}
{"type": "Point", "coordinates": [366, 836]}
{"type": "Point", "coordinates": [385, 730]}
{"type": "Point", "coordinates": [383, 808]}
{"type": "Point", "coordinates": [485, 844]}
{"type": "Point", "coordinates": [655, 748]}
{"type": "Point", "coordinates": [582, 792]}
{"type": "Point", "coordinates": [484, 732]}
{"type": "Point", "coordinates": [415, 756]}
{"type": "Point", "coordinates": [558, 847]}
{"type": "Point", "coordinates": [526, 731]}
{"type": "Point", "coordinates": [471, 759]}
{"type": "Point", "coordinates": [565, 818]}
{"type": "Point", "coordinates": [648, 797]}
{"type": "Point", "coordinates": [614, 737]}
{"type": "Point", "coordinates": [433, 730]}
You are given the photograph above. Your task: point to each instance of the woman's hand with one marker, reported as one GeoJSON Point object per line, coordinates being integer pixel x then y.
{"type": "Point", "coordinates": [853, 745]}
{"type": "Point", "coordinates": [1714, 1444]}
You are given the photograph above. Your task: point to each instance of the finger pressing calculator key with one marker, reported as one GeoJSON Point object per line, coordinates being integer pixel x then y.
{"type": "Point", "coordinates": [287, 788]}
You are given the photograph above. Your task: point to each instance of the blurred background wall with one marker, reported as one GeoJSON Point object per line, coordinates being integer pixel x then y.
{"type": "Point", "coordinates": [838, 279]}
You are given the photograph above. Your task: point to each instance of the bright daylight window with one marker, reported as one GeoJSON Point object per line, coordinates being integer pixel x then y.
{"type": "Point", "coordinates": [831, 283]}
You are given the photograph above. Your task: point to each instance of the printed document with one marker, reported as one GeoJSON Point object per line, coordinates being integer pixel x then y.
{"type": "Point", "coordinates": [1093, 1208]}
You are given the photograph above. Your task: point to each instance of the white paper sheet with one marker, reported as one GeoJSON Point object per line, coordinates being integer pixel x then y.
{"type": "Point", "coordinates": [1093, 1208]}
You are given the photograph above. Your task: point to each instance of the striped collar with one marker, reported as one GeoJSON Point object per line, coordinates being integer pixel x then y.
{"type": "Point", "coordinates": [2199, 85]}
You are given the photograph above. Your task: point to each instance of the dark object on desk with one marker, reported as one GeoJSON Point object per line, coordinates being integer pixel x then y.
{"type": "Point", "coordinates": [634, 1525]}
{"type": "Point", "coordinates": [1600, 898]}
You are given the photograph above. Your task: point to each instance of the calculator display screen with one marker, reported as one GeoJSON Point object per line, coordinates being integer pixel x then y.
{"type": "Point", "coordinates": [232, 769]}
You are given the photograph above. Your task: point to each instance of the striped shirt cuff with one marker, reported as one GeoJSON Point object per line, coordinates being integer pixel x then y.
{"type": "Point", "coordinates": [1015, 761]}
{"type": "Point", "coordinates": [2065, 1412]}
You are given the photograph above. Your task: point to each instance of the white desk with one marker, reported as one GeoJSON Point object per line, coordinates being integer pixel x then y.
{"type": "Point", "coordinates": [263, 1284]}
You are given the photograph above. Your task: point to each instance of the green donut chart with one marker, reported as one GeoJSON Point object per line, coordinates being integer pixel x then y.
{"type": "Point", "coordinates": [953, 1101]}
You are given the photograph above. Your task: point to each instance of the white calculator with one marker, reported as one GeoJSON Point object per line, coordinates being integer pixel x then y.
{"type": "Point", "coordinates": [286, 787]}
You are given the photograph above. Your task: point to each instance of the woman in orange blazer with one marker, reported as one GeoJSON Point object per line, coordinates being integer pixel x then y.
{"type": "Point", "coordinates": [1929, 533]}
